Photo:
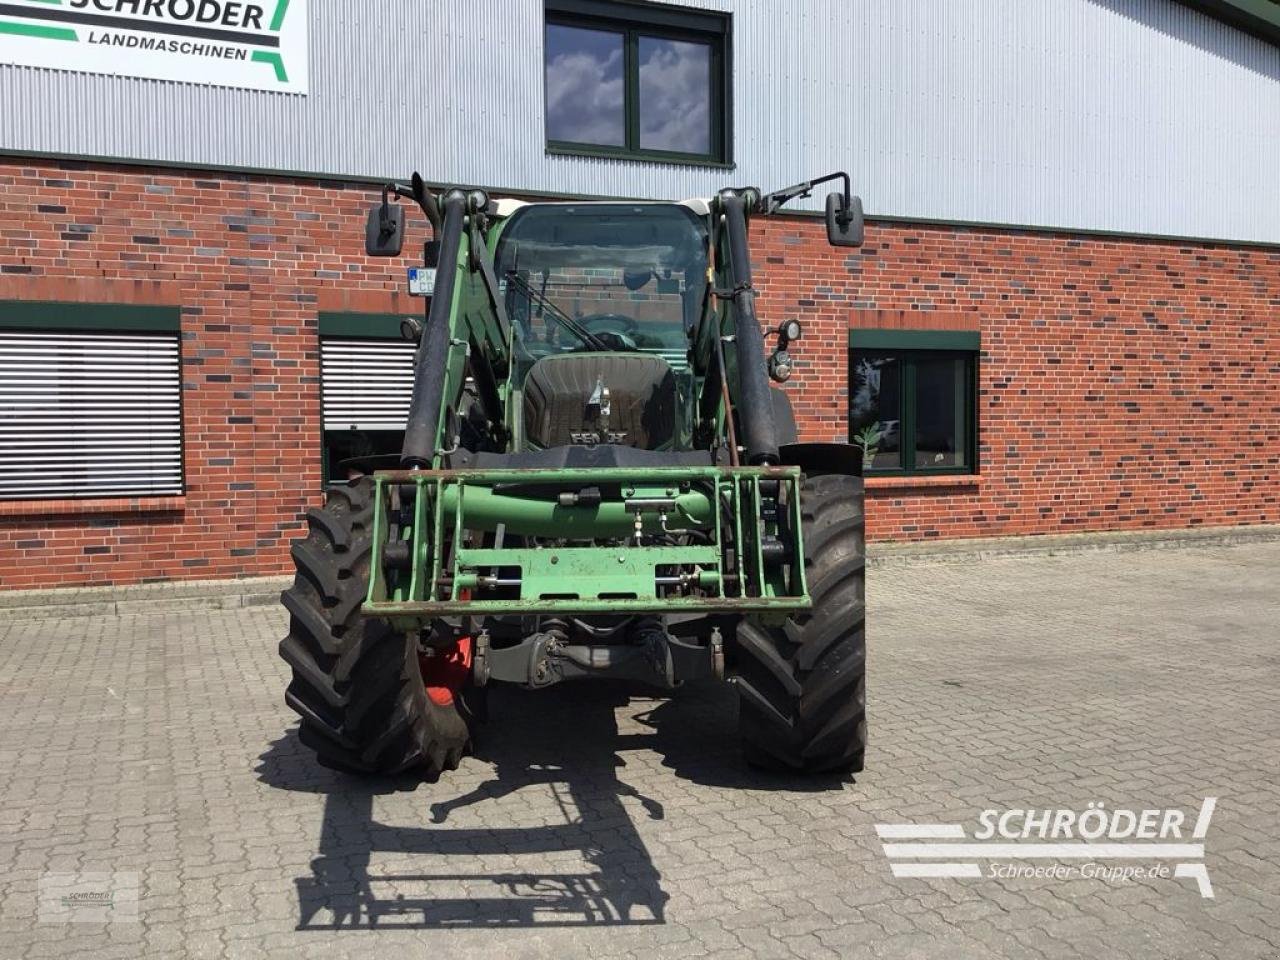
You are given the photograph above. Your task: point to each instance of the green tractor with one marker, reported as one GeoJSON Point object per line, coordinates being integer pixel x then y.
{"type": "Point", "coordinates": [597, 481]}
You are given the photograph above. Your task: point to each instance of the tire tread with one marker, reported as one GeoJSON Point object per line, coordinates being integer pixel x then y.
{"type": "Point", "coordinates": [356, 683]}
{"type": "Point", "coordinates": [802, 691]}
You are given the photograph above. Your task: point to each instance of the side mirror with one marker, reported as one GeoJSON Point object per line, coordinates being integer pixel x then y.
{"type": "Point", "coordinates": [384, 231]}
{"type": "Point", "coordinates": [844, 226]}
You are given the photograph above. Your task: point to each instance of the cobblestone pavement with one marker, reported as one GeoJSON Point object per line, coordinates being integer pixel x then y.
{"type": "Point", "coordinates": [598, 821]}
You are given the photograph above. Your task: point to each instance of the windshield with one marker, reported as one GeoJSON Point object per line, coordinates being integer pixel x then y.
{"type": "Point", "coordinates": [603, 277]}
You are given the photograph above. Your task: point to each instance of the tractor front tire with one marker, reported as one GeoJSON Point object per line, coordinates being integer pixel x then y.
{"type": "Point", "coordinates": [358, 684]}
{"type": "Point", "coordinates": [802, 689]}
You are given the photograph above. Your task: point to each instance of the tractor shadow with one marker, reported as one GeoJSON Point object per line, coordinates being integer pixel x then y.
{"type": "Point", "coordinates": [564, 741]}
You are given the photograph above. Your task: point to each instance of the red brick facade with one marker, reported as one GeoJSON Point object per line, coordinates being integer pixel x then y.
{"type": "Point", "coordinates": [1123, 383]}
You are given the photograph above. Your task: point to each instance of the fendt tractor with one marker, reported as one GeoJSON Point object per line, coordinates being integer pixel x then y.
{"type": "Point", "coordinates": [597, 481]}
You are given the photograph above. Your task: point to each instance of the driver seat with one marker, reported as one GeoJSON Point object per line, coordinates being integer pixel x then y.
{"type": "Point", "coordinates": [642, 399]}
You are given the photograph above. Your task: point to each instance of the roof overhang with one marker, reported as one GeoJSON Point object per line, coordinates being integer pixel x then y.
{"type": "Point", "coordinates": [1260, 18]}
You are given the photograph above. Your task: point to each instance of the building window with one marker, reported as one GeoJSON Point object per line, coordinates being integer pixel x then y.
{"type": "Point", "coordinates": [90, 401]}
{"type": "Point", "coordinates": [366, 382]}
{"type": "Point", "coordinates": [913, 400]}
{"type": "Point", "coordinates": [637, 80]}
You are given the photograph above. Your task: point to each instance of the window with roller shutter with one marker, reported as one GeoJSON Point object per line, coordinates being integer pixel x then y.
{"type": "Point", "coordinates": [366, 373]}
{"type": "Point", "coordinates": [90, 401]}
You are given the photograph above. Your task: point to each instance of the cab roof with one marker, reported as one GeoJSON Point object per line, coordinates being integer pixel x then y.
{"type": "Point", "coordinates": [506, 206]}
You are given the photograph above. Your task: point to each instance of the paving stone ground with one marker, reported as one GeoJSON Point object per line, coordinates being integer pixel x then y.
{"type": "Point", "coordinates": [603, 821]}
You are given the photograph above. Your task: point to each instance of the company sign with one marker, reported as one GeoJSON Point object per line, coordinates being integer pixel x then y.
{"type": "Point", "coordinates": [256, 44]}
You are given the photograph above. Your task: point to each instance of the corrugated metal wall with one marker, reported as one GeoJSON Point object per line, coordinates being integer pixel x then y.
{"type": "Point", "coordinates": [1122, 115]}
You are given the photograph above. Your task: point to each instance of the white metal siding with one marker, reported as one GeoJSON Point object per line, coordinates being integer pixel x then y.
{"type": "Point", "coordinates": [1119, 115]}
{"type": "Point", "coordinates": [366, 384]}
{"type": "Point", "coordinates": [85, 415]}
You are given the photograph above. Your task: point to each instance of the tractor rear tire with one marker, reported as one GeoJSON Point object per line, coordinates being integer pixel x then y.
{"type": "Point", "coordinates": [357, 684]}
{"type": "Point", "coordinates": [802, 688]}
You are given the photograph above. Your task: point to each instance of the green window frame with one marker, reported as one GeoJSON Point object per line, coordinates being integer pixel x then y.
{"type": "Point", "coordinates": [915, 355]}
{"type": "Point", "coordinates": [89, 317]}
{"type": "Point", "coordinates": [636, 20]}
{"type": "Point", "coordinates": [342, 335]}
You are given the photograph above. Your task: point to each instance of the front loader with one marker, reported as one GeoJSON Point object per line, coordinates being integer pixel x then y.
{"type": "Point", "coordinates": [597, 481]}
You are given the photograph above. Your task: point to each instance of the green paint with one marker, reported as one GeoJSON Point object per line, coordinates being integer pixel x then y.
{"type": "Point", "coordinates": [34, 30]}
{"type": "Point", "coordinates": [588, 573]}
{"type": "Point", "coordinates": [467, 301]}
{"type": "Point", "coordinates": [282, 8]}
{"type": "Point", "coordinates": [95, 317]}
{"type": "Point", "coordinates": [528, 516]}
{"type": "Point", "coordinates": [261, 56]}
{"type": "Point", "coordinates": [378, 326]}
{"type": "Point", "coordinates": [457, 507]}
{"type": "Point", "coordinates": [378, 586]}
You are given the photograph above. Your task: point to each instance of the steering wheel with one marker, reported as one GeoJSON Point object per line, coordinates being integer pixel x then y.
{"type": "Point", "coordinates": [609, 323]}
{"type": "Point", "coordinates": [618, 332]}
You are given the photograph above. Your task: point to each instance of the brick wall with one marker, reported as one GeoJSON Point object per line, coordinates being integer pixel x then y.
{"type": "Point", "coordinates": [250, 261]}
{"type": "Point", "coordinates": [1123, 383]}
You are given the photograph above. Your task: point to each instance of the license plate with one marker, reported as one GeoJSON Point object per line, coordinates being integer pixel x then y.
{"type": "Point", "coordinates": [422, 281]}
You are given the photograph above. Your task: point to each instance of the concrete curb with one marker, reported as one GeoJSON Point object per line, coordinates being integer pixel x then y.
{"type": "Point", "coordinates": [140, 599]}
{"type": "Point", "coordinates": [1121, 541]}
{"type": "Point", "coordinates": [193, 596]}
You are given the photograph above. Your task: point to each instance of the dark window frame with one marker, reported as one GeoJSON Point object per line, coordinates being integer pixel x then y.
{"type": "Point", "coordinates": [633, 19]}
{"type": "Point", "coordinates": [909, 347]}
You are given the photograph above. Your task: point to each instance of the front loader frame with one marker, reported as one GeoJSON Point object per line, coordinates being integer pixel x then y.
{"type": "Point", "coordinates": [453, 542]}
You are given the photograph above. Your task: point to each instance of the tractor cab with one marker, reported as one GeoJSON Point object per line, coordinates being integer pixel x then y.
{"type": "Point", "coordinates": [603, 300]}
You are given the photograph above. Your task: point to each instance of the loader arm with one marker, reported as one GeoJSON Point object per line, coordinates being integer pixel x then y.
{"type": "Point", "coordinates": [465, 335]}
